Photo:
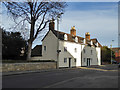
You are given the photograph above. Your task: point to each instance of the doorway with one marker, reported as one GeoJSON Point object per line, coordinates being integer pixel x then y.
{"type": "Point", "coordinates": [69, 62]}
{"type": "Point", "coordinates": [88, 61]}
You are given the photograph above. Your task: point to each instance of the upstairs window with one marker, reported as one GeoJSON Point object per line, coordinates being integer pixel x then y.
{"type": "Point", "coordinates": [84, 50]}
{"type": "Point", "coordinates": [91, 52]}
{"type": "Point", "coordinates": [84, 41]}
{"type": "Point", "coordinates": [44, 48]}
{"type": "Point", "coordinates": [75, 49]}
{"type": "Point", "coordinates": [65, 37]}
{"type": "Point", "coordinates": [65, 49]}
{"type": "Point", "coordinates": [76, 39]}
{"type": "Point", "coordinates": [73, 38]}
{"type": "Point", "coordinates": [91, 42]}
{"type": "Point", "coordinates": [97, 44]}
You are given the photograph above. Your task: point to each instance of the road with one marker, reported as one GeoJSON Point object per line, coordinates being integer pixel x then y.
{"type": "Point", "coordinates": [64, 78]}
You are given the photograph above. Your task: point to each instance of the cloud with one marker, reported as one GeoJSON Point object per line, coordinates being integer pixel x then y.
{"type": "Point", "coordinates": [102, 24]}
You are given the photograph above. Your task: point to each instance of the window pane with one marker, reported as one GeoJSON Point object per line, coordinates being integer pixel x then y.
{"type": "Point", "coordinates": [44, 48]}
{"type": "Point", "coordinates": [75, 49]}
{"type": "Point", "coordinates": [91, 52]}
{"type": "Point", "coordinates": [65, 49]}
{"type": "Point", "coordinates": [65, 60]}
{"type": "Point", "coordinates": [75, 60]}
{"type": "Point", "coordinates": [84, 59]}
{"type": "Point", "coordinates": [84, 50]}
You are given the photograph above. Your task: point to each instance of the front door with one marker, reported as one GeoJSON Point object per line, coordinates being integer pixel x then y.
{"type": "Point", "coordinates": [88, 61]}
{"type": "Point", "coordinates": [69, 62]}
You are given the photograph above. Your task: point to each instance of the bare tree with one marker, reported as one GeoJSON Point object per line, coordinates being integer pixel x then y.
{"type": "Point", "coordinates": [37, 14]}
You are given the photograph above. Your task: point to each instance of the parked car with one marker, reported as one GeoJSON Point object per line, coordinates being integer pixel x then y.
{"type": "Point", "coordinates": [114, 62]}
{"type": "Point", "coordinates": [119, 65]}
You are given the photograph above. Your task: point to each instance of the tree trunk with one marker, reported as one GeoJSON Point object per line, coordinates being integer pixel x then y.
{"type": "Point", "coordinates": [31, 38]}
{"type": "Point", "coordinates": [29, 50]}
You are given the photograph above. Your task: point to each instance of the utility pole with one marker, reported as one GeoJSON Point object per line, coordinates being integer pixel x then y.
{"type": "Point", "coordinates": [111, 51]}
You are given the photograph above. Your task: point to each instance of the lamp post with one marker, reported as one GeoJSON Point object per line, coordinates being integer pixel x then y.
{"type": "Point", "coordinates": [58, 51]}
{"type": "Point", "coordinates": [111, 51]}
{"type": "Point", "coordinates": [58, 17]}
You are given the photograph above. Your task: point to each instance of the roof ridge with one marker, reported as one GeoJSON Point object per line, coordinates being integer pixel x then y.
{"type": "Point", "coordinates": [68, 33]}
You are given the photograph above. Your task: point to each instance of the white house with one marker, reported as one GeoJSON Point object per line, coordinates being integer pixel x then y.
{"type": "Point", "coordinates": [70, 50]}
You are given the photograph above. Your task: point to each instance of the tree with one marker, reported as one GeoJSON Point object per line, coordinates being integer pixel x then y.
{"type": "Point", "coordinates": [12, 42]}
{"type": "Point", "coordinates": [106, 54]}
{"type": "Point", "coordinates": [36, 14]}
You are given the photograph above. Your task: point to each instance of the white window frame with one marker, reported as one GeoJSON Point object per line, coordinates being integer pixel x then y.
{"type": "Point", "coordinates": [44, 48]}
{"type": "Point", "coordinates": [84, 50]}
{"type": "Point", "coordinates": [76, 39]}
{"type": "Point", "coordinates": [65, 49]}
{"type": "Point", "coordinates": [91, 52]}
{"type": "Point", "coordinates": [75, 59]}
{"type": "Point", "coordinates": [65, 37]}
{"type": "Point", "coordinates": [65, 60]}
{"type": "Point", "coordinates": [84, 59]}
{"type": "Point", "coordinates": [75, 49]}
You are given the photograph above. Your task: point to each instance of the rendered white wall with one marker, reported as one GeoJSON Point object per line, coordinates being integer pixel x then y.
{"type": "Point", "coordinates": [69, 54]}
{"type": "Point", "coordinates": [50, 42]}
{"type": "Point", "coordinates": [98, 49]}
{"type": "Point", "coordinates": [88, 54]}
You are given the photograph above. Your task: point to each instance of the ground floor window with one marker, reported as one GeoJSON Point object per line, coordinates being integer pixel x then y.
{"type": "Point", "coordinates": [65, 60]}
{"type": "Point", "coordinates": [84, 59]}
{"type": "Point", "coordinates": [91, 59]}
{"type": "Point", "coordinates": [75, 59]}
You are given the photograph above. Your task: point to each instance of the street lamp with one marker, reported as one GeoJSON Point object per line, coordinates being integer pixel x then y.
{"type": "Point", "coordinates": [58, 51]}
{"type": "Point", "coordinates": [111, 51]}
{"type": "Point", "coordinates": [58, 17]}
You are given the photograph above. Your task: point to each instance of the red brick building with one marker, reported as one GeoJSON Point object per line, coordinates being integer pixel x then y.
{"type": "Point", "coordinates": [117, 54]}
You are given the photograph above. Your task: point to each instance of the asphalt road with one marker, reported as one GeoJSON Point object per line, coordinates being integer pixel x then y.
{"type": "Point", "coordinates": [64, 78]}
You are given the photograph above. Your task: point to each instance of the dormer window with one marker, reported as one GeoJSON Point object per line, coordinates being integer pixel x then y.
{"type": "Point", "coordinates": [76, 39]}
{"type": "Point", "coordinates": [97, 44]}
{"type": "Point", "coordinates": [84, 41]}
{"type": "Point", "coordinates": [65, 37]}
{"type": "Point", "coordinates": [91, 42]}
{"type": "Point", "coordinates": [73, 38]}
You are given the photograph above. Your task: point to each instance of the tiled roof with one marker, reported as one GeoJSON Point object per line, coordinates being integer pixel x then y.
{"type": "Point", "coordinates": [71, 38]}
{"type": "Point", "coordinates": [60, 35]}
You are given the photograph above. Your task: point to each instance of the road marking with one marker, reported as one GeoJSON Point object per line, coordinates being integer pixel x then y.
{"type": "Point", "coordinates": [60, 82]}
{"type": "Point", "coordinates": [96, 69]}
{"type": "Point", "coordinates": [76, 78]}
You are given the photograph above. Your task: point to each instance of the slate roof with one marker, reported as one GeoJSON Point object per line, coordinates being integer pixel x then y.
{"type": "Point", "coordinates": [37, 50]}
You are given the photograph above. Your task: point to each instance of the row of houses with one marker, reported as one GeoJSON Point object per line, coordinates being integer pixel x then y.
{"type": "Point", "coordinates": [68, 50]}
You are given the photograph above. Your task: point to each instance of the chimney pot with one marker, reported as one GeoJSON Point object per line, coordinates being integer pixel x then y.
{"type": "Point", "coordinates": [87, 35]}
{"type": "Point", "coordinates": [51, 25]}
{"type": "Point", "coordinates": [73, 31]}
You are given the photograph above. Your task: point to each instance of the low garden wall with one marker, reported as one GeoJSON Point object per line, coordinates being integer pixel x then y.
{"type": "Point", "coordinates": [6, 67]}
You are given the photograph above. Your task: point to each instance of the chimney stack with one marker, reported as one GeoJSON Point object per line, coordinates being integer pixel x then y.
{"type": "Point", "coordinates": [51, 25]}
{"type": "Point", "coordinates": [87, 36]}
{"type": "Point", "coordinates": [73, 31]}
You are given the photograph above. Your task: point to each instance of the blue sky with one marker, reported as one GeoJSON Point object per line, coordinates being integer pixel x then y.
{"type": "Point", "coordinates": [98, 18]}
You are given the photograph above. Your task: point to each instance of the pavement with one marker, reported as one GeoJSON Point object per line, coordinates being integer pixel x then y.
{"type": "Point", "coordinates": [81, 77]}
